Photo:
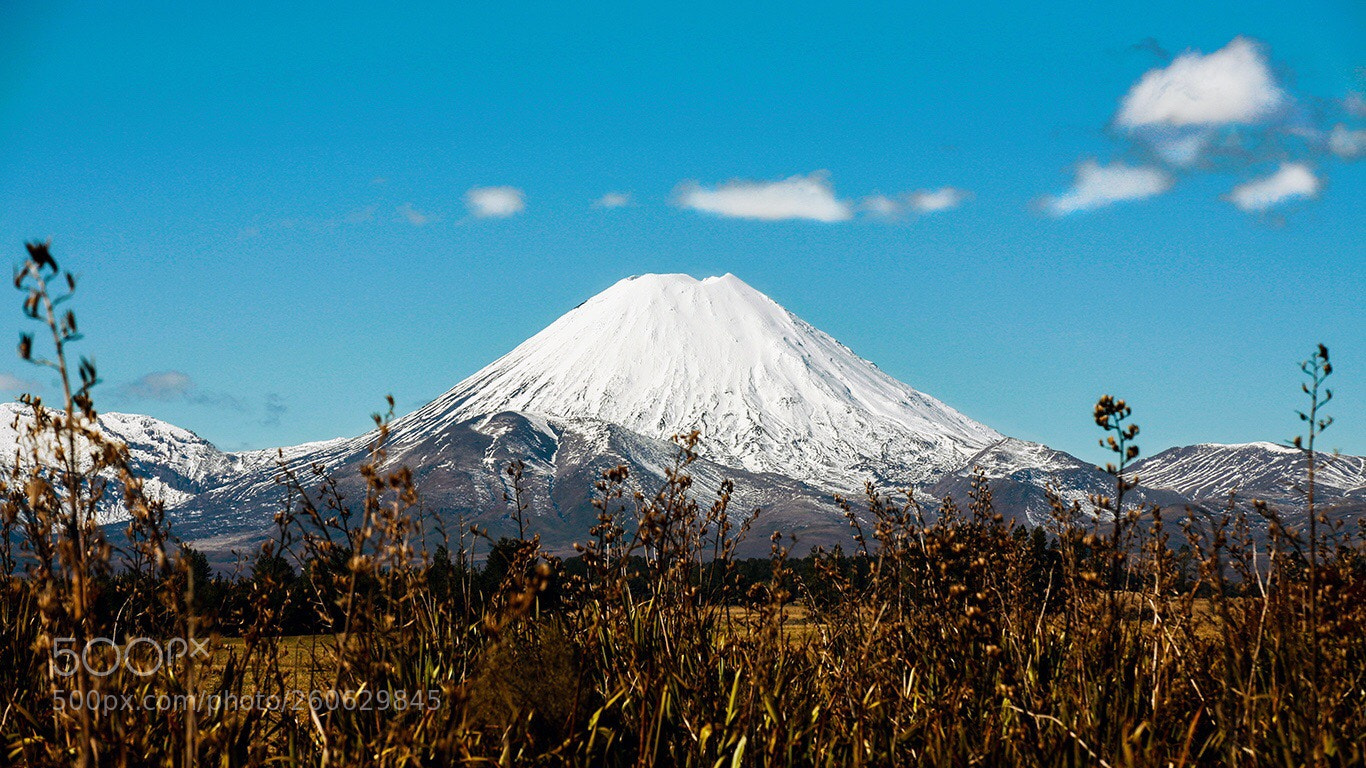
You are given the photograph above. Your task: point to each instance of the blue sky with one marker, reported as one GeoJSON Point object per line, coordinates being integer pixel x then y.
{"type": "Point", "coordinates": [272, 210]}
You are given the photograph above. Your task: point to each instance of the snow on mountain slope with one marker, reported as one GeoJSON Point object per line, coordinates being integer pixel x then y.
{"type": "Point", "coordinates": [1255, 470]}
{"type": "Point", "coordinates": [1021, 473]}
{"type": "Point", "coordinates": [175, 463]}
{"type": "Point", "coordinates": [269, 458]}
{"type": "Point", "coordinates": [664, 354]}
{"type": "Point", "coordinates": [193, 461]}
{"type": "Point", "coordinates": [459, 472]}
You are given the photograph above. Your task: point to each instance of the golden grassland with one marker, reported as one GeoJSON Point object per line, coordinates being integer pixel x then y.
{"type": "Point", "coordinates": [305, 660]}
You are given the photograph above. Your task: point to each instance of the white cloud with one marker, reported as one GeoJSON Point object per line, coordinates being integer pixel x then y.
{"type": "Point", "coordinates": [1292, 180]}
{"type": "Point", "coordinates": [1347, 143]}
{"type": "Point", "coordinates": [1097, 185]}
{"type": "Point", "coordinates": [798, 197]}
{"type": "Point", "coordinates": [11, 383]}
{"type": "Point", "coordinates": [1232, 85]}
{"type": "Point", "coordinates": [934, 200]}
{"type": "Point", "coordinates": [614, 200]}
{"type": "Point", "coordinates": [414, 216]}
{"type": "Point", "coordinates": [495, 202]}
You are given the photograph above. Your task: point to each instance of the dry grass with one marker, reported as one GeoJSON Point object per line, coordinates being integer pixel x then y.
{"type": "Point", "coordinates": [304, 660]}
{"type": "Point", "coordinates": [947, 637]}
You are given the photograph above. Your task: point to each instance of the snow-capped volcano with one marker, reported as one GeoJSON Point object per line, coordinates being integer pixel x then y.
{"type": "Point", "coordinates": [790, 415]}
{"type": "Point", "coordinates": [665, 354]}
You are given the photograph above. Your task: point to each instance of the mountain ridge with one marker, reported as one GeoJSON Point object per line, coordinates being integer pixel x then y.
{"type": "Point", "coordinates": [790, 414]}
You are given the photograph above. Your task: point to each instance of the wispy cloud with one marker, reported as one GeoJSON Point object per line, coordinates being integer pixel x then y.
{"type": "Point", "coordinates": [172, 386]}
{"type": "Point", "coordinates": [1180, 149]}
{"type": "Point", "coordinates": [1151, 46]}
{"type": "Point", "coordinates": [495, 202]}
{"type": "Point", "coordinates": [361, 215]}
{"type": "Point", "coordinates": [809, 197]}
{"type": "Point", "coordinates": [1355, 104]}
{"type": "Point", "coordinates": [275, 409]}
{"type": "Point", "coordinates": [1347, 143]}
{"type": "Point", "coordinates": [353, 217]}
{"type": "Point", "coordinates": [1096, 186]}
{"type": "Point", "coordinates": [1289, 182]}
{"type": "Point", "coordinates": [12, 383]}
{"type": "Point", "coordinates": [414, 216]}
{"type": "Point", "coordinates": [160, 385]}
{"type": "Point", "coordinates": [922, 202]}
{"type": "Point", "coordinates": [614, 200]}
{"type": "Point", "coordinates": [1232, 85]}
{"type": "Point", "coordinates": [882, 206]}
{"type": "Point", "coordinates": [176, 386]}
